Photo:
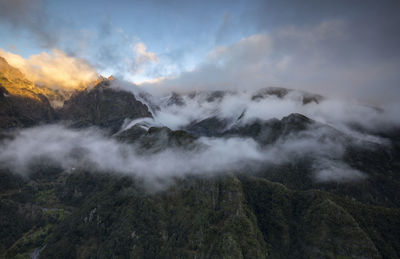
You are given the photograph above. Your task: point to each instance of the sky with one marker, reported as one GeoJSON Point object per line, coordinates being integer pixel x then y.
{"type": "Point", "coordinates": [343, 48]}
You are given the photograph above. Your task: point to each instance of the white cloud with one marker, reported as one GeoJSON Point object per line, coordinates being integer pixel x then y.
{"type": "Point", "coordinates": [338, 113]}
{"type": "Point", "coordinates": [90, 149]}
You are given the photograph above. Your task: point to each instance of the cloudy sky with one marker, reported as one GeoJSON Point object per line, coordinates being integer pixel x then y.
{"type": "Point", "coordinates": [346, 48]}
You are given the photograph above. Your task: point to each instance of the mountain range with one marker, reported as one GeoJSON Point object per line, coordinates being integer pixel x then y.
{"type": "Point", "coordinates": [111, 172]}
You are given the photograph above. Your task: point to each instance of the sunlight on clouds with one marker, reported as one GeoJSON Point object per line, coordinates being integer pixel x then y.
{"type": "Point", "coordinates": [146, 62]}
{"type": "Point", "coordinates": [55, 70]}
{"type": "Point", "coordinates": [142, 55]}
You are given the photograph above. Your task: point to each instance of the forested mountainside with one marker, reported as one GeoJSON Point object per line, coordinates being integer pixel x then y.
{"type": "Point", "coordinates": [116, 174]}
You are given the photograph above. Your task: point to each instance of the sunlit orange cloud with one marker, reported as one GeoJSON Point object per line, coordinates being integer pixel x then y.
{"type": "Point", "coordinates": [56, 70]}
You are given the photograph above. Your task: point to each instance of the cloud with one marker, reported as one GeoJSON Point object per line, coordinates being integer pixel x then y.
{"type": "Point", "coordinates": [341, 114]}
{"type": "Point", "coordinates": [371, 24]}
{"type": "Point", "coordinates": [336, 171]}
{"type": "Point", "coordinates": [90, 149]}
{"type": "Point", "coordinates": [144, 64]}
{"type": "Point", "coordinates": [142, 55]}
{"type": "Point", "coordinates": [324, 58]}
{"type": "Point", "coordinates": [226, 67]}
{"type": "Point", "coordinates": [106, 46]}
{"type": "Point", "coordinates": [226, 28]}
{"type": "Point", "coordinates": [30, 16]}
{"type": "Point", "coordinates": [343, 48]}
{"type": "Point", "coordinates": [55, 70]}
{"type": "Point", "coordinates": [113, 52]}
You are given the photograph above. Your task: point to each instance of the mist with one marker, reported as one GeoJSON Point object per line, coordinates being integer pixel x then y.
{"type": "Point", "coordinates": [93, 150]}
{"type": "Point", "coordinates": [344, 52]}
{"type": "Point", "coordinates": [244, 104]}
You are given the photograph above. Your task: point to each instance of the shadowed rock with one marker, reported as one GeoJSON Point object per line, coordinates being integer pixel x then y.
{"type": "Point", "coordinates": [103, 106]}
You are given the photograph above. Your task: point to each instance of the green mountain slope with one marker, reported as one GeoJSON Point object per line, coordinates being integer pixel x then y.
{"type": "Point", "coordinates": [84, 215]}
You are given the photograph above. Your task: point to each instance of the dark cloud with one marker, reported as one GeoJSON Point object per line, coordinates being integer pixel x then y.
{"type": "Point", "coordinates": [372, 24]}
{"type": "Point", "coordinates": [321, 58]}
{"type": "Point", "coordinates": [225, 29]}
{"type": "Point", "coordinates": [30, 16]}
{"type": "Point", "coordinates": [340, 48]}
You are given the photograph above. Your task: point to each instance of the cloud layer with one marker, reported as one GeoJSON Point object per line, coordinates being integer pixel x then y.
{"type": "Point", "coordinates": [197, 106]}
{"type": "Point", "coordinates": [91, 149]}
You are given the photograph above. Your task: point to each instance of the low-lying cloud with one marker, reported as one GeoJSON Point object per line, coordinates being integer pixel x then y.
{"type": "Point", "coordinates": [91, 149]}
{"type": "Point", "coordinates": [343, 115]}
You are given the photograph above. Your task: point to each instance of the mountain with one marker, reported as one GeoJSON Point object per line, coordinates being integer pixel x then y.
{"type": "Point", "coordinates": [211, 96]}
{"type": "Point", "coordinates": [26, 104]}
{"type": "Point", "coordinates": [94, 215]}
{"type": "Point", "coordinates": [286, 187]}
{"type": "Point", "coordinates": [282, 92]}
{"type": "Point", "coordinates": [16, 84]}
{"type": "Point", "coordinates": [19, 111]}
{"type": "Point", "coordinates": [103, 106]}
{"type": "Point", "coordinates": [21, 102]}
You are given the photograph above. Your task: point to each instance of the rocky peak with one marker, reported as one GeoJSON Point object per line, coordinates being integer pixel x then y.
{"type": "Point", "coordinates": [296, 119]}
{"type": "Point", "coordinates": [17, 84]}
{"type": "Point", "coordinates": [176, 99]}
{"type": "Point", "coordinates": [103, 106]}
{"type": "Point", "coordinates": [280, 92]}
{"type": "Point", "coordinates": [10, 72]}
{"type": "Point", "coordinates": [270, 91]}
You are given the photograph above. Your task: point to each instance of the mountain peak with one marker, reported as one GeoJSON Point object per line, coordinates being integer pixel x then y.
{"type": "Point", "coordinates": [296, 118]}
{"type": "Point", "coordinates": [15, 82]}
{"type": "Point", "coordinates": [103, 106]}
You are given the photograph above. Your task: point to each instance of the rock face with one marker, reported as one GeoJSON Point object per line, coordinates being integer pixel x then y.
{"type": "Point", "coordinates": [266, 132]}
{"type": "Point", "coordinates": [22, 104]}
{"type": "Point", "coordinates": [208, 127]}
{"type": "Point", "coordinates": [19, 111]}
{"type": "Point", "coordinates": [16, 84]}
{"type": "Point", "coordinates": [282, 92]}
{"type": "Point", "coordinates": [103, 106]}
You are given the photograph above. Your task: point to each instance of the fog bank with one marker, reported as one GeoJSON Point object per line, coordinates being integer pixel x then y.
{"type": "Point", "coordinates": [92, 150]}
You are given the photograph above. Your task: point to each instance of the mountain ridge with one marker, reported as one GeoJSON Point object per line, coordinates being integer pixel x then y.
{"type": "Point", "coordinates": [273, 207]}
